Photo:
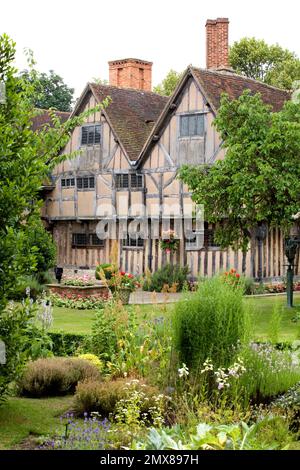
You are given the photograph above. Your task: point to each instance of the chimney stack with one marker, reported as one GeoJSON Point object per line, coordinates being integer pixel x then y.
{"type": "Point", "coordinates": [217, 47]}
{"type": "Point", "coordinates": [131, 73]}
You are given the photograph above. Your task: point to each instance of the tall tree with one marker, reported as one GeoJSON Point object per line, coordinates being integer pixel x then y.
{"type": "Point", "coordinates": [271, 64]}
{"type": "Point", "coordinates": [168, 85]}
{"type": "Point", "coordinates": [259, 179]}
{"type": "Point", "coordinates": [51, 91]}
{"type": "Point", "coordinates": [26, 158]}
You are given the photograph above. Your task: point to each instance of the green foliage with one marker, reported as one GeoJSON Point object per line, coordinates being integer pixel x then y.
{"type": "Point", "coordinates": [66, 344]}
{"type": "Point", "coordinates": [168, 85]}
{"type": "Point", "coordinates": [259, 180]}
{"type": "Point", "coordinates": [103, 397]}
{"type": "Point", "coordinates": [51, 91]}
{"type": "Point", "coordinates": [268, 63]}
{"type": "Point", "coordinates": [92, 359]}
{"type": "Point", "coordinates": [24, 282]}
{"type": "Point", "coordinates": [55, 376]}
{"type": "Point", "coordinates": [45, 248]}
{"type": "Point", "coordinates": [107, 269]}
{"type": "Point", "coordinates": [239, 436]}
{"type": "Point", "coordinates": [26, 159]}
{"type": "Point", "coordinates": [209, 324]}
{"type": "Point", "coordinates": [168, 275]}
{"type": "Point", "coordinates": [269, 372]}
{"type": "Point", "coordinates": [290, 403]}
{"type": "Point", "coordinates": [13, 327]}
{"type": "Point", "coordinates": [104, 339]}
{"type": "Point", "coordinates": [130, 344]}
{"type": "Point", "coordinates": [250, 287]}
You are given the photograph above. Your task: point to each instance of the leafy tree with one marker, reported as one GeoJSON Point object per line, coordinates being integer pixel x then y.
{"type": "Point", "coordinates": [26, 158]}
{"type": "Point", "coordinates": [259, 179]}
{"type": "Point", "coordinates": [168, 85]}
{"type": "Point", "coordinates": [38, 237]}
{"type": "Point", "coordinates": [50, 91]}
{"type": "Point", "coordinates": [268, 63]}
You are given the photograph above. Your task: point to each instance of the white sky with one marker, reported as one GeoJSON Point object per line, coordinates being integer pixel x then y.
{"type": "Point", "coordinates": [77, 38]}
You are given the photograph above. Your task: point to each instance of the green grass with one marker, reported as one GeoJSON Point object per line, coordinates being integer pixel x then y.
{"type": "Point", "coordinates": [80, 321]}
{"type": "Point", "coordinates": [21, 418]}
{"type": "Point", "coordinates": [262, 311]}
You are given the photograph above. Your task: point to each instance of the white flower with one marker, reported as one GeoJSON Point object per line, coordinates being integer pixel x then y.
{"type": "Point", "coordinates": [208, 366]}
{"type": "Point", "coordinates": [184, 371]}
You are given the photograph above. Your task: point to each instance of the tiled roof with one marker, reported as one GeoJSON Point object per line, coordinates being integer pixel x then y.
{"type": "Point", "coordinates": [214, 83]}
{"type": "Point", "coordinates": [132, 114]}
{"type": "Point", "coordinates": [43, 118]}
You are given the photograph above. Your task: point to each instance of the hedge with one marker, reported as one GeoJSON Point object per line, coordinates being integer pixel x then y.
{"type": "Point", "coordinates": [66, 344]}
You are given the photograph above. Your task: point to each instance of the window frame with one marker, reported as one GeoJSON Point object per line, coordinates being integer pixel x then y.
{"type": "Point", "coordinates": [70, 179]}
{"type": "Point", "coordinates": [87, 126]}
{"type": "Point", "coordinates": [139, 181]}
{"type": "Point", "coordinates": [189, 116]}
{"type": "Point", "coordinates": [86, 179]}
{"type": "Point", "coordinates": [88, 240]}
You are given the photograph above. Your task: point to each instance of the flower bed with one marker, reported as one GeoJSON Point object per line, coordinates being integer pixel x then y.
{"type": "Point", "coordinates": [97, 292]}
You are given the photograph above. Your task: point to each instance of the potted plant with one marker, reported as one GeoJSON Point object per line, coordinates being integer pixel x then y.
{"type": "Point", "coordinates": [169, 242]}
{"type": "Point", "coordinates": [122, 284]}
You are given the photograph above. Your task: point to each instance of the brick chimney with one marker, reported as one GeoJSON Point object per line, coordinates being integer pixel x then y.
{"type": "Point", "coordinates": [131, 73]}
{"type": "Point", "coordinates": [217, 43]}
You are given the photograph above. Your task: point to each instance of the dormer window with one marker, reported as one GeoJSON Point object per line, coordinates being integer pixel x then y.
{"type": "Point", "coordinates": [90, 135]}
{"type": "Point", "coordinates": [192, 125]}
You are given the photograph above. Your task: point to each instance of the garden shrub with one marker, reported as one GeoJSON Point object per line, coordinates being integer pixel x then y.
{"type": "Point", "coordinates": [92, 359]}
{"type": "Point", "coordinates": [55, 376]}
{"type": "Point", "coordinates": [14, 321]}
{"type": "Point", "coordinates": [210, 324]}
{"type": "Point", "coordinates": [290, 403]}
{"type": "Point", "coordinates": [24, 282]}
{"type": "Point", "coordinates": [104, 338]}
{"type": "Point", "coordinates": [103, 397]}
{"type": "Point", "coordinates": [250, 288]}
{"type": "Point", "coordinates": [168, 275]}
{"type": "Point", "coordinates": [67, 344]}
{"type": "Point", "coordinates": [271, 433]}
{"type": "Point", "coordinates": [269, 373]}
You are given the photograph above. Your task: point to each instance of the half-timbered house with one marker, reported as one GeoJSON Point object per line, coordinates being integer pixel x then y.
{"type": "Point", "coordinates": [130, 155]}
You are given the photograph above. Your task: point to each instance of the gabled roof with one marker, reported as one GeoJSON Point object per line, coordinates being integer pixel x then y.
{"type": "Point", "coordinates": [132, 114]}
{"type": "Point", "coordinates": [212, 84]}
{"type": "Point", "coordinates": [43, 118]}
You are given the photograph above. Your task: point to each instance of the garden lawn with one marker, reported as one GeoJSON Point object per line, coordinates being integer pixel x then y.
{"type": "Point", "coordinates": [262, 312]}
{"type": "Point", "coordinates": [80, 321]}
{"type": "Point", "coordinates": [22, 418]}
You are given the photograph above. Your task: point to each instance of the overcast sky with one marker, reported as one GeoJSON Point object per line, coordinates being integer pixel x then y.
{"type": "Point", "coordinates": [77, 38]}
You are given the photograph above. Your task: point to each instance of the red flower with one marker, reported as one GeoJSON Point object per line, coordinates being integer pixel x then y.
{"type": "Point", "coordinates": [122, 273]}
{"type": "Point", "coordinates": [237, 276]}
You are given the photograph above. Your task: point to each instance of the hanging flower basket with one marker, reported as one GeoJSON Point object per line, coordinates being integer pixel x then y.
{"type": "Point", "coordinates": [169, 242]}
